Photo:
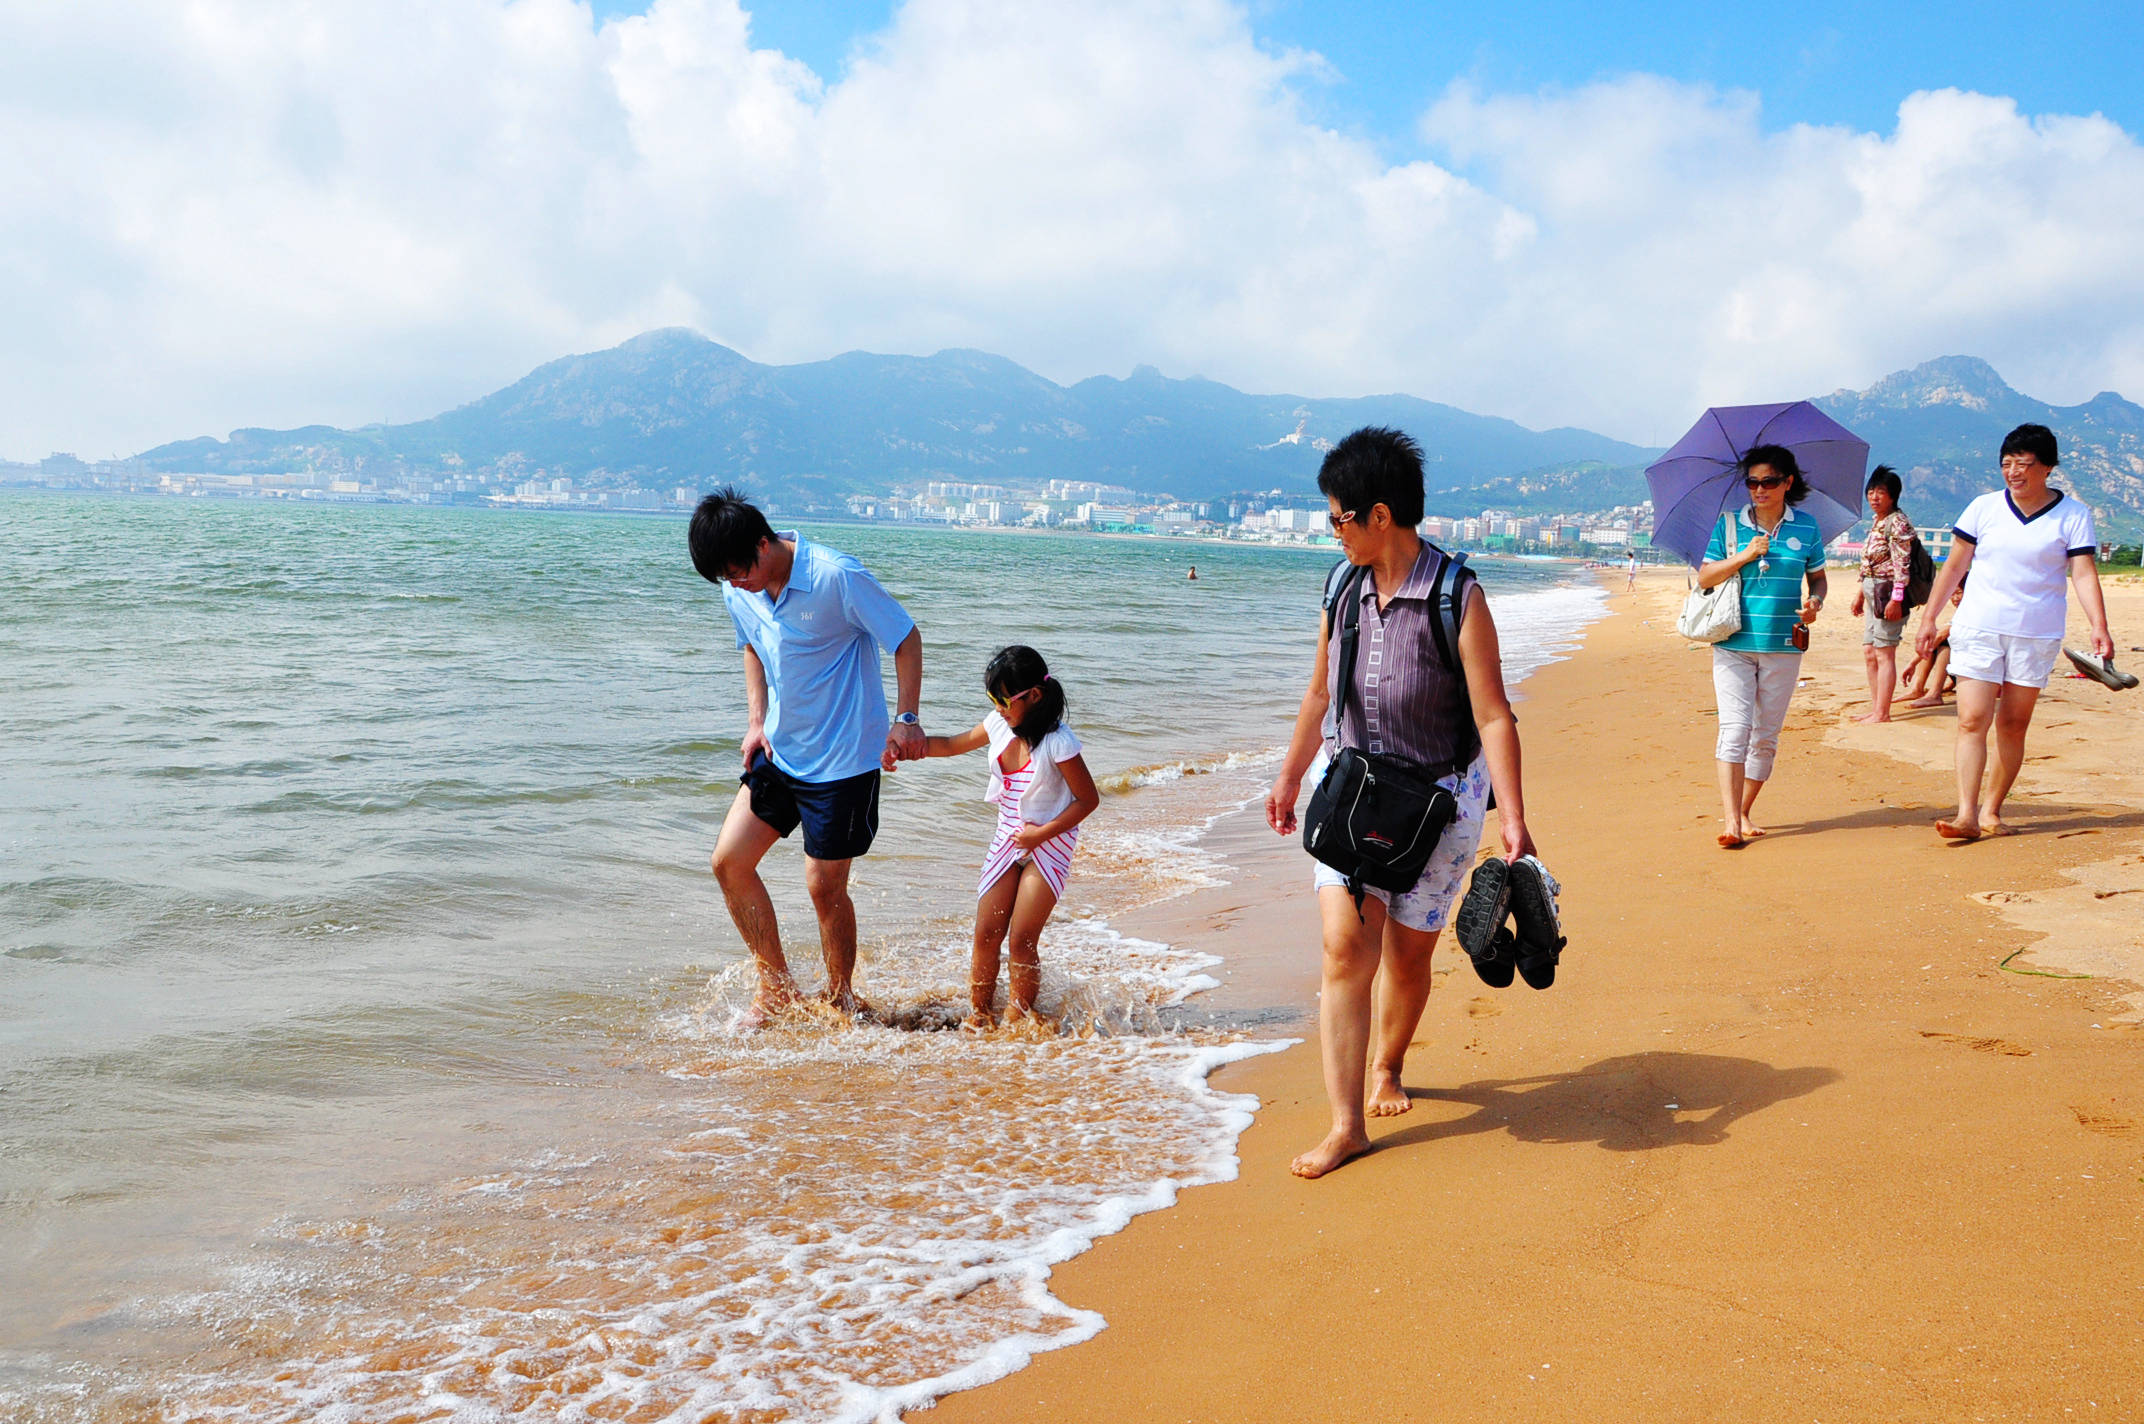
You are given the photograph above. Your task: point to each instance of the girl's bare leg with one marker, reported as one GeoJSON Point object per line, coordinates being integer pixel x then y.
{"type": "Point", "coordinates": [993, 912]}
{"type": "Point", "coordinates": [1030, 912]}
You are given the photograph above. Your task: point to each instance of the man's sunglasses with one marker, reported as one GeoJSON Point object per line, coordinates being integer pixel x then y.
{"type": "Point", "coordinates": [1769, 482]}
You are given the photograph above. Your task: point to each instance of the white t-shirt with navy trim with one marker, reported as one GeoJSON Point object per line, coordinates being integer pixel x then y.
{"type": "Point", "coordinates": [2020, 576]}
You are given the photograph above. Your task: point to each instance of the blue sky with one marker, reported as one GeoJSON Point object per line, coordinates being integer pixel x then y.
{"type": "Point", "coordinates": [1816, 62]}
{"type": "Point", "coordinates": [222, 213]}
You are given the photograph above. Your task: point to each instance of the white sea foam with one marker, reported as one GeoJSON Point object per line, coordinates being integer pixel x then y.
{"type": "Point", "coordinates": [810, 1222]}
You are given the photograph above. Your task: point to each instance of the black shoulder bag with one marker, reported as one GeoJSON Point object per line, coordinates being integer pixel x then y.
{"type": "Point", "coordinates": [1375, 818]}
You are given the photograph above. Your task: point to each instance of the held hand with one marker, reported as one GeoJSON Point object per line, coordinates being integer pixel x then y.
{"type": "Point", "coordinates": [755, 746]}
{"type": "Point", "coordinates": [887, 761]}
{"type": "Point", "coordinates": [1756, 548]}
{"type": "Point", "coordinates": [906, 742]}
{"type": "Point", "coordinates": [1280, 805]}
{"type": "Point", "coordinates": [1518, 840]}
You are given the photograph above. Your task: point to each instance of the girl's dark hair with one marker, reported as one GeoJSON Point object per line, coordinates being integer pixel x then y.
{"type": "Point", "coordinates": [2034, 440]}
{"type": "Point", "coordinates": [1014, 670]}
{"type": "Point", "coordinates": [725, 534]}
{"type": "Point", "coordinates": [1374, 466]}
{"type": "Point", "coordinates": [1885, 478]}
{"type": "Point", "coordinates": [1782, 461]}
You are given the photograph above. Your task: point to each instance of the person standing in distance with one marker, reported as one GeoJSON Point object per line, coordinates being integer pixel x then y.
{"type": "Point", "coordinates": [810, 622]}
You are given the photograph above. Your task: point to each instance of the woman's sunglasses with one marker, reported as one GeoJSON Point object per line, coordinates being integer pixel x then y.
{"type": "Point", "coordinates": [1769, 482]}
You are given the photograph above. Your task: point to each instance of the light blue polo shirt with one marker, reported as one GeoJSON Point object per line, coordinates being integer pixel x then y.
{"type": "Point", "coordinates": [820, 642]}
{"type": "Point", "coordinates": [1771, 598]}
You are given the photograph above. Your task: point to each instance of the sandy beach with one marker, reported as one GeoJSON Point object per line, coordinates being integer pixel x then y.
{"type": "Point", "coordinates": [1823, 1129]}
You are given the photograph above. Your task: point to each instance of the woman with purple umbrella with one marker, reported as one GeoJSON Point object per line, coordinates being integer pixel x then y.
{"type": "Point", "coordinates": [1776, 548]}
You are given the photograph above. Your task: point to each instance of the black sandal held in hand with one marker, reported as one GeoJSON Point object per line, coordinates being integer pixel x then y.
{"type": "Point", "coordinates": [1479, 925]}
{"type": "Point", "coordinates": [1532, 895]}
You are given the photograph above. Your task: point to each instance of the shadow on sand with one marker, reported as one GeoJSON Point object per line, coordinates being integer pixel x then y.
{"type": "Point", "coordinates": [2025, 817]}
{"type": "Point", "coordinates": [1626, 1104]}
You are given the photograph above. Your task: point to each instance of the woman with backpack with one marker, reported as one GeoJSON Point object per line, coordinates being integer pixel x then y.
{"type": "Point", "coordinates": [1886, 566]}
{"type": "Point", "coordinates": [1425, 691]}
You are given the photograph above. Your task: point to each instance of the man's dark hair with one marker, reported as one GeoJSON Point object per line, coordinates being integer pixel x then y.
{"type": "Point", "coordinates": [2034, 440]}
{"type": "Point", "coordinates": [1782, 461]}
{"type": "Point", "coordinates": [1017, 669]}
{"type": "Point", "coordinates": [726, 533]}
{"type": "Point", "coordinates": [1375, 465]}
{"type": "Point", "coordinates": [1885, 478]}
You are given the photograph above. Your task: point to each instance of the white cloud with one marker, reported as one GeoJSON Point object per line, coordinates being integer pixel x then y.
{"type": "Point", "coordinates": [223, 213]}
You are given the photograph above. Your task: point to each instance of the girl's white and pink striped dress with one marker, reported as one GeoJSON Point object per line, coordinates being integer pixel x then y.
{"type": "Point", "coordinates": [1042, 802]}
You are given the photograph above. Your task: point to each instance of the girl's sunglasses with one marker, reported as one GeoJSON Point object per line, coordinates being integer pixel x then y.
{"type": "Point", "coordinates": [1006, 701]}
{"type": "Point", "coordinates": [1769, 482]}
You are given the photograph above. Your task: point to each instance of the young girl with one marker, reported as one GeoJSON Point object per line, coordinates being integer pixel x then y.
{"type": "Point", "coordinates": [1042, 790]}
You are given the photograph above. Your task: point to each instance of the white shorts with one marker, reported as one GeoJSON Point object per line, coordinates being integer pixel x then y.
{"type": "Point", "coordinates": [2002, 657]}
{"type": "Point", "coordinates": [1429, 902]}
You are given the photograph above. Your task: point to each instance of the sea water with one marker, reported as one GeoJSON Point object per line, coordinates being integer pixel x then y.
{"type": "Point", "coordinates": [368, 1018]}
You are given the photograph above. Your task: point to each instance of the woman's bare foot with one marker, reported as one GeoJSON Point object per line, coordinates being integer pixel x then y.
{"type": "Point", "coordinates": [1387, 1097]}
{"type": "Point", "coordinates": [1958, 830]}
{"type": "Point", "coordinates": [1868, 717]}
{"type": "Point", "coordinates": [1992, 826]}
{"type": "Point", "coordinates": [1933, 699]}
{"type": "Point", "coordinates": [1729, 840]}
{"type": "Point", "coordinates": [1752, 832]}
{"type": "Point", "coordinates": [1339, 1146]}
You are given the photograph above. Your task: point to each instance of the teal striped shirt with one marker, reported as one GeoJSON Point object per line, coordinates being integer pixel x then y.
{"type": "Point", "coordinates": [1771, 598]}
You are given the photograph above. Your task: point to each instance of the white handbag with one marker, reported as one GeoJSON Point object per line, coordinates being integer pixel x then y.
{"type": "Point", "coordinates": [1711, 615]}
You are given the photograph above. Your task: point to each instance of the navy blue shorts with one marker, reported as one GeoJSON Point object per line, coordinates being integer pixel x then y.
{"type": "Point", "coordinates": [840, 818]}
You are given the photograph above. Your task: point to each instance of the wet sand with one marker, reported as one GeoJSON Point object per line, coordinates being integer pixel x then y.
{"type": "Point", "coordinates": [1785, 1140]}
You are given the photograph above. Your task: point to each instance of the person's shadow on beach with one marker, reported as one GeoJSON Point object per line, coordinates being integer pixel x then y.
{"type": "Point", "coordinates": [1625, 1104]}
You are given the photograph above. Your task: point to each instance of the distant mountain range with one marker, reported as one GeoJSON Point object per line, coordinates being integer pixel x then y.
{"type": "Point", "coordinates": [671, 408]}
{"type": "Point", "coordinates": [1941, 425]}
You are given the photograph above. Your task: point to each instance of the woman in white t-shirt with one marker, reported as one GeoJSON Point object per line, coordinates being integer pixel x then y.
{"type": "Point", "coordinates": [2024, 545]}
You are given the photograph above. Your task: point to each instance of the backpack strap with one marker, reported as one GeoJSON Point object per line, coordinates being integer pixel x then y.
{"type": "Point", "coordinates": [1448, 595]}
{"type": "Point", "coordinates": [1343, 592]}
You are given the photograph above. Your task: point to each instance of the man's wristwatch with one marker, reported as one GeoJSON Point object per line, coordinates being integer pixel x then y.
{"type": "Point", "coordinates": [909, 719]}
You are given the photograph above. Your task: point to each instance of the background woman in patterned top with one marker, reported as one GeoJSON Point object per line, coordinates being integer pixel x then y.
{"type": "Point", "coordinates": [1775, 547]}
{"type": "Point", "coordinates": [1880, 602]}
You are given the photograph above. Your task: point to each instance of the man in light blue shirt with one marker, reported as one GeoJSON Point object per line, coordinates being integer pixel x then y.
{"type": "Point", "coordinates": [810, 622]}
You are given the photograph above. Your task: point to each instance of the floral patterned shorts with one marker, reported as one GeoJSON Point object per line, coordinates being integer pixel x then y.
{"type": "Point", "coordinates": [1429, 902]}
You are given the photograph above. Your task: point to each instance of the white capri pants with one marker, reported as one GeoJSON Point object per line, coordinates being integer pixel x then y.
{"type": "Point", "coordinates": [1753, 690]}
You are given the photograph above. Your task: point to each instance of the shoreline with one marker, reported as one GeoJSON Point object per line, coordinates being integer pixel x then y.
{"type": "Point", "coordinates": [1789, 1138]}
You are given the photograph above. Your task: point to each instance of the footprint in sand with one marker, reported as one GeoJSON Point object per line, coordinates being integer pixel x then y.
{"type": "Point", "coordinates": [2001, 897]}
{"type": "Point", "coordinates": [2105, 1123]}
{"type": "Point", "coordinates": [1483, 1008]}
{"type": "Point", "coordinates": [1980, 1045]}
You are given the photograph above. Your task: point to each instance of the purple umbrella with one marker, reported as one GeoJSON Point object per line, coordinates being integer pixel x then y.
{"type": "Point", "coordinates": [1700, 479]}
